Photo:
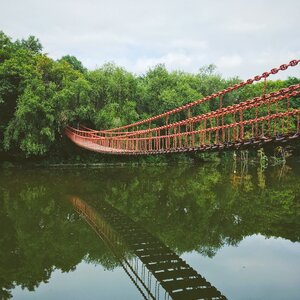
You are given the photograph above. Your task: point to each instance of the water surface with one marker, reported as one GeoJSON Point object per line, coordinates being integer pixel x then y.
{"type": "Point", "coordinates": [237, 226]}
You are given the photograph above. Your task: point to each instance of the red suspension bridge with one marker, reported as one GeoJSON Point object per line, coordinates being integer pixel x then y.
{"type": "Point", "coordinates": [271, 118]}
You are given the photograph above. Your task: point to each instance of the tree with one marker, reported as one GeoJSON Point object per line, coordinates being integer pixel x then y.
{"type": "Point", "coordinates": [74, 62]}
{"type": "Point", "coordinates": [32, 44]}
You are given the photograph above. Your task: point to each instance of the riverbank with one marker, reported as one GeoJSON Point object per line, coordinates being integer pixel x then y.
{"type": "Point", "coordinates": [258, 158]}
{"type": "Point", "coordinates": [80, 158]}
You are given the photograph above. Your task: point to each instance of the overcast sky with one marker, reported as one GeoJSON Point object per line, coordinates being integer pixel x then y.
{"type": "Point", "coordinates": [242, 38]}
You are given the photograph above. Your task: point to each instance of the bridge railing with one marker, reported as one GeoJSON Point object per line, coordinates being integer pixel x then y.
{"type": "Point", "coordinates": [257, 119]}
{"type": "Point", "coordinates": [166, 117]}
{"type": "Point", "coordinates": [266, 100]}
{"type": "Point", "coordinates": [174, 115]}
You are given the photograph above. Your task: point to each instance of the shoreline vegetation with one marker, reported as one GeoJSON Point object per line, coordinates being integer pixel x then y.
{"type": "Point", "coordinates": [39, 96]}
{"type": "Point", "coordinates": [244, 158]}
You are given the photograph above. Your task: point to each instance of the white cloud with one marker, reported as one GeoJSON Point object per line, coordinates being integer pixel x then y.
{"type": "Point", "coordinates": [244, 27]}
{"type": "Point", "coordinates": [242, 38]}
{"type": "Point", "coordinates": [188, 44]}
{"type": "Point", "coordinates": [173, 61]}
{"type": "Point", "coordinates": [229, 61]}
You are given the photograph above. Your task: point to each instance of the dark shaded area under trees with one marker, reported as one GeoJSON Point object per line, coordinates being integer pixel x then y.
{"type": "Point", "coordinates": [40, 96]}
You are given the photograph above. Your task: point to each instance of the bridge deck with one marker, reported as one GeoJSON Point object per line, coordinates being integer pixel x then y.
{"type": "Point", "coordinates": [92, 145]}
{"type": "Point", "coordinates": [239, 144]}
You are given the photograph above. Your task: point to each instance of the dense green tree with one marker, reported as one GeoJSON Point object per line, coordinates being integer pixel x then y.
{"type": "Point", "coordinates": [53, 95]}
{"type": "Point", "coordinates": [31, 43]}
{"type": "Point", "coordinates": [74, 62]}
{"type": "Point", "coordinates": [111, 84]}
{"type": "Point", "coordinates": [17, 68]}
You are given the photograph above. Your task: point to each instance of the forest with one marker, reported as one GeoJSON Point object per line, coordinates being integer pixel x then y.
{"type": "Point", "coordinates": [39, 96]}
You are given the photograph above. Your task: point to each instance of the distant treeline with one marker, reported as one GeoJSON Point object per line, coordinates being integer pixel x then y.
{"type": "Point", "coordinates": [39, 95]}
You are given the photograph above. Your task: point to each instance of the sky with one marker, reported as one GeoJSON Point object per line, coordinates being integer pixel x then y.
{"type": "Point", "coordinates": [242, 38]}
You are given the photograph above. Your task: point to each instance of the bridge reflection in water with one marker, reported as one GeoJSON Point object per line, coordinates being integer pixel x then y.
{"type": "Point", "coordinates": [156, 271]}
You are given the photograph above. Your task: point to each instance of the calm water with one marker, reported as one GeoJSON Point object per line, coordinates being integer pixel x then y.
{"type": "Point", "coordinates": [238, 227]}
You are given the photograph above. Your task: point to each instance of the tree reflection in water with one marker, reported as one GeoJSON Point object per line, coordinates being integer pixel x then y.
{"type": "Point", "coordinates": [189, 208]}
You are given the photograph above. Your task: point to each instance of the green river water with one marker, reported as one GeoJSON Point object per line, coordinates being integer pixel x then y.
{"type": "Point", "coordinates": [238, 226]}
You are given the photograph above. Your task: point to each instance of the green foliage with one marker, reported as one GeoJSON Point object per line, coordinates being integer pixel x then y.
{"type": "Point", "coordinates": [74, 62]}
{"type": "Point", "coordinates": [161, 91]}
{"type": "Point", "coordinates": [31, 44]}
{"type": "Point", "coordinates": [112, 84]}
{"type": "Point", "coordinates": [49, 95]}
